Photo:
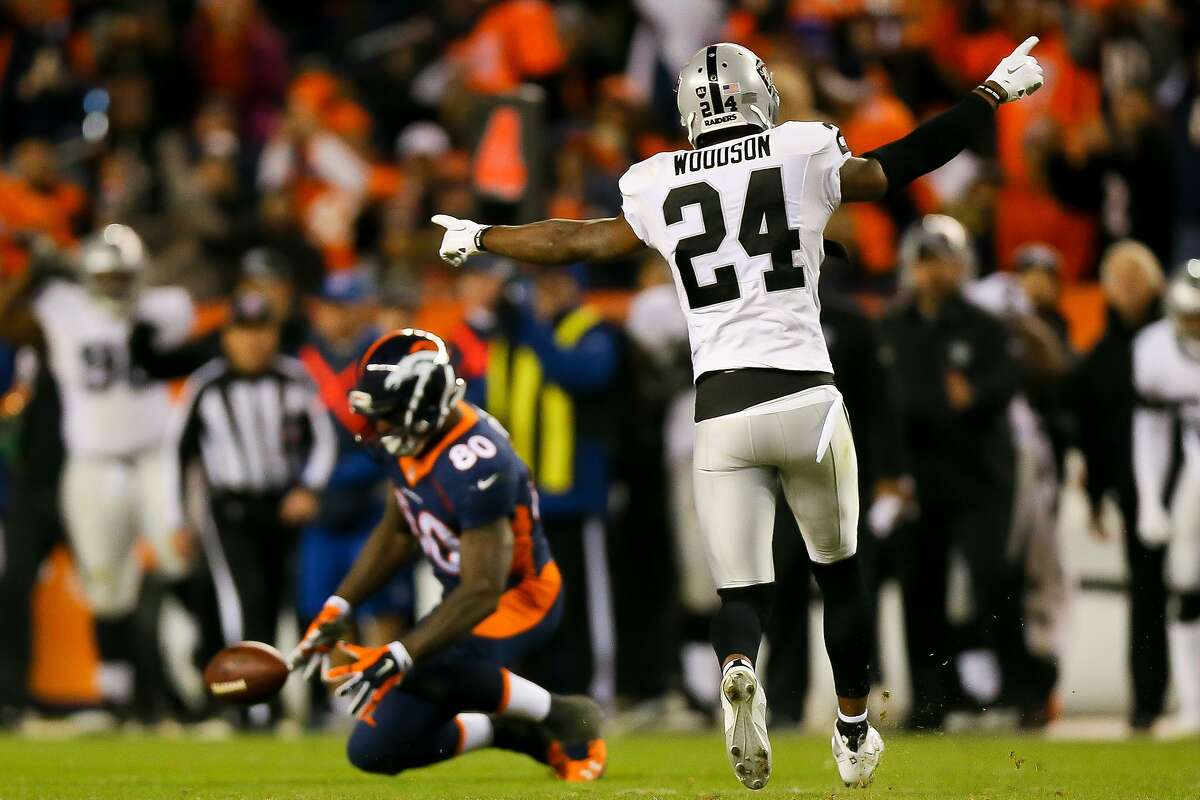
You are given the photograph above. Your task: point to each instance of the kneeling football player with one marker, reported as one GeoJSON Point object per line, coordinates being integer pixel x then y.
{"type": "Point", "coordinates": [465, 498]}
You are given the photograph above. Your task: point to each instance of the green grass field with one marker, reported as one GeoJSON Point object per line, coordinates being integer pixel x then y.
{"type": "Point", "coordinates": [661, 766]}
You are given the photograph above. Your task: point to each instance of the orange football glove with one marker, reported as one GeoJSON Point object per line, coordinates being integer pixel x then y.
{"type": "Point", "coordinates": [375, 669]}
{"type": "Point", "coordinates": [322, 634]}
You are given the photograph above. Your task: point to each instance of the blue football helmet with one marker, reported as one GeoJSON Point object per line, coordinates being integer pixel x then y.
{"type": "Point", "coordinates": [405, 379]}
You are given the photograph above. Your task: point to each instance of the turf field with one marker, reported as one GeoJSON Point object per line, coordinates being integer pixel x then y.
{"type": "Point", "coordinates": [658, 766]}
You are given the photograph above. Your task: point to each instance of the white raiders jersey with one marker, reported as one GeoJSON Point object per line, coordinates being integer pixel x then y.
{"type": "Point", "coordinates": [1165, 374]}
{"type": "Point", "coordinates": [742, 225]}
{"type": "Point", "coordinates": [109, 407]}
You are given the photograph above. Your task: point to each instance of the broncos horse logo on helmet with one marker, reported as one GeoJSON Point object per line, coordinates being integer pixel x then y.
{"type": "Point", "coordinates": [406, 382]}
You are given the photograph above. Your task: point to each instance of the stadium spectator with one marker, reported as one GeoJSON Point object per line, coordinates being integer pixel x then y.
{"type": "Point", "coordinates": [45, 64]}
{"type": "Point", "coordinates": [1122, 173]}
{"type": "Point", "coordinates": [511, 42]}
{"type": "Point", "coordinates": [399, 303]}
{"type": "Point", "coordinates": [1101, 397]}
{"type": "Point", "coordinates": [480, 291]}
{"type": "Point", "coordinates": [206, 203]}
{"type": "Point", "coordinates": [549, 381]}
{"type": "Point", "coordinates": [237, 54]}
{"type": "Point", "coordinates": [327, 179]}
{"type": "Point", "coordinates": [36, 200]}
{"type": "Point", "coordinates": [1026, 211]}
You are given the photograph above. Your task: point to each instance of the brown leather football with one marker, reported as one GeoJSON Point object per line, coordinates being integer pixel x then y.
{"type": "Point", "coordinates": [246, 673]}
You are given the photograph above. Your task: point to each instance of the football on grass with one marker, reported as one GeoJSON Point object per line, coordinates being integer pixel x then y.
{"type": "Point", "coordinates": [246, 673]}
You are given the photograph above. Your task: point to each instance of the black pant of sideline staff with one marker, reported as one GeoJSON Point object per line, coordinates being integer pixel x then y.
{"type": "Point", "coordinates": [251, 562]}
{"type": "Point", "coordinates": [31, 527]}
{"type": "Point", "coordinates": [980, 533]}
{"type": "Point", "coordinates": [579, 658]}
{"type": "Point", "coordinates": [1147, 626]}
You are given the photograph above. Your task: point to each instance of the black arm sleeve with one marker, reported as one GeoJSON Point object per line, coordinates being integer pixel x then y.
{"type": "Point", "coordinates": [178, 362]}
{"type": "Point", "coordinates": [934, 142]}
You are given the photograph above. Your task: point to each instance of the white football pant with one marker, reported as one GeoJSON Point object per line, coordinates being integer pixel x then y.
{"type": "Point", "coordinates": [800, 444]}
{"type": "Point", "coordinates": [107, 504]}
{"type": "Point", "coordinates": [1183, 551]}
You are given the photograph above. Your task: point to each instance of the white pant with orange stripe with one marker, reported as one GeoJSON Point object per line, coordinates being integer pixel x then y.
{"type": "Point", "coordinates": [107, 503]}
{"type": "Point", "coordinates": [800, 446]}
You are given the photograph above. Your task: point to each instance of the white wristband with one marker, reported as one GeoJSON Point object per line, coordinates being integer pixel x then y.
{"type": "Point", "coordinates": [340, 603]}
{"type": "Point", "coordinates": [400, 654]}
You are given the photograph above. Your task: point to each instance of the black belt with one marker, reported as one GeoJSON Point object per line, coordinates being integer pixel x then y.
{"type": "Point", "coordinates": [732, 390]}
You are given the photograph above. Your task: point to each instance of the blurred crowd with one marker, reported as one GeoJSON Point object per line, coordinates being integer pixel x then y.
{"type": "Point", "coordinates": [294, 152]}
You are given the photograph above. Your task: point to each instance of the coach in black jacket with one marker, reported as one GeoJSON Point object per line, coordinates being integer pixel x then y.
{"type": "Point", "coordinates": [1100, 395]}
{"type": "Point", "coordinates": [955, 375]}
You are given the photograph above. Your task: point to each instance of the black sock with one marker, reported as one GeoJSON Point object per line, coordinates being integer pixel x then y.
{"type": "Point", "coordinates": [849, 638]}
{"type": "Point", "coordinates": [1188, 607]}
{"type": "Point", "coordinates": [116, 641]}
{"type": "Point", "coordinates": [854, 732]}
{"type": "Point", "coordinates": [737, 627]}
{"type": "Point", "coordinates": [520, 736]}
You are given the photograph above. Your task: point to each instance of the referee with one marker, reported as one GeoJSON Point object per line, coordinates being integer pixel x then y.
{"type": "Point", "coordinates": [254, 421]}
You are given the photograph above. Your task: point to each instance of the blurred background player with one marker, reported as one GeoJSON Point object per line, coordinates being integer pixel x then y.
{"type": "Point", "coordinates": [253, 420]}
{"type": "Point", "coordinates": [1166, 373]}
{"type": "Point", "coordinates": [262, 270]}
{"type": "Point", "coordinates": [462, 495]}
{"type": "Point", "coordinates": [113, 419]}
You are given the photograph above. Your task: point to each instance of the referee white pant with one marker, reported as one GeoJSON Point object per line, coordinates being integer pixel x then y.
{"type": "Point", "coordinates": [800, 444]}
{"type": "Point", "coordinates": [107, 503]}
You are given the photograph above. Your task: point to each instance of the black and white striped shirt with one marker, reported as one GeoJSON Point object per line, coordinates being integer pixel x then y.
{"type": "Point", "coordinates": [254, 434]}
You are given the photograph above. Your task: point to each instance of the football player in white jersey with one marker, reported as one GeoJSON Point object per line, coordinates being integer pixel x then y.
{"type": "Point", "coordinates": [740, 217]}
{"type": "Point", "coordinates": [1166, 377]}
{"type": "Point", "coordinates": [113, 426]}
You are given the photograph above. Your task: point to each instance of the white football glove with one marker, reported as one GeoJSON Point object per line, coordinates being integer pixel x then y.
{"type": "Point", "coordinates": [1154, 524]}
{"type": "Point", "coordinates": [883, 515]}
{"type": "Point", "coordinates": [1018, 74]}
{"type": "Point", "coordinates": [461, 240]}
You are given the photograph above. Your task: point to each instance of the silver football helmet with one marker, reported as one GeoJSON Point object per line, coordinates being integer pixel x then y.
{"type": "Point", "coordinates": [936, 234]}
{"type": "Point", "coordinates": [111, 263]}
{"type": "Point", "coordinates": [724, 86]}
{"type": "Point", "coordinates": [1182, 303]}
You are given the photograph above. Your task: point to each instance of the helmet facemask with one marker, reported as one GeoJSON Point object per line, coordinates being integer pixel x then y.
{"type": "Point", "coordinates": [412, 421]}
{"type": "Point", "coordinates": [111, 264]}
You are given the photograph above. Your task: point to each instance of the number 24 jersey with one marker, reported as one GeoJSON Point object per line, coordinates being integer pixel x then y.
{"type": "Point", "coordinates": [742, 225]}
